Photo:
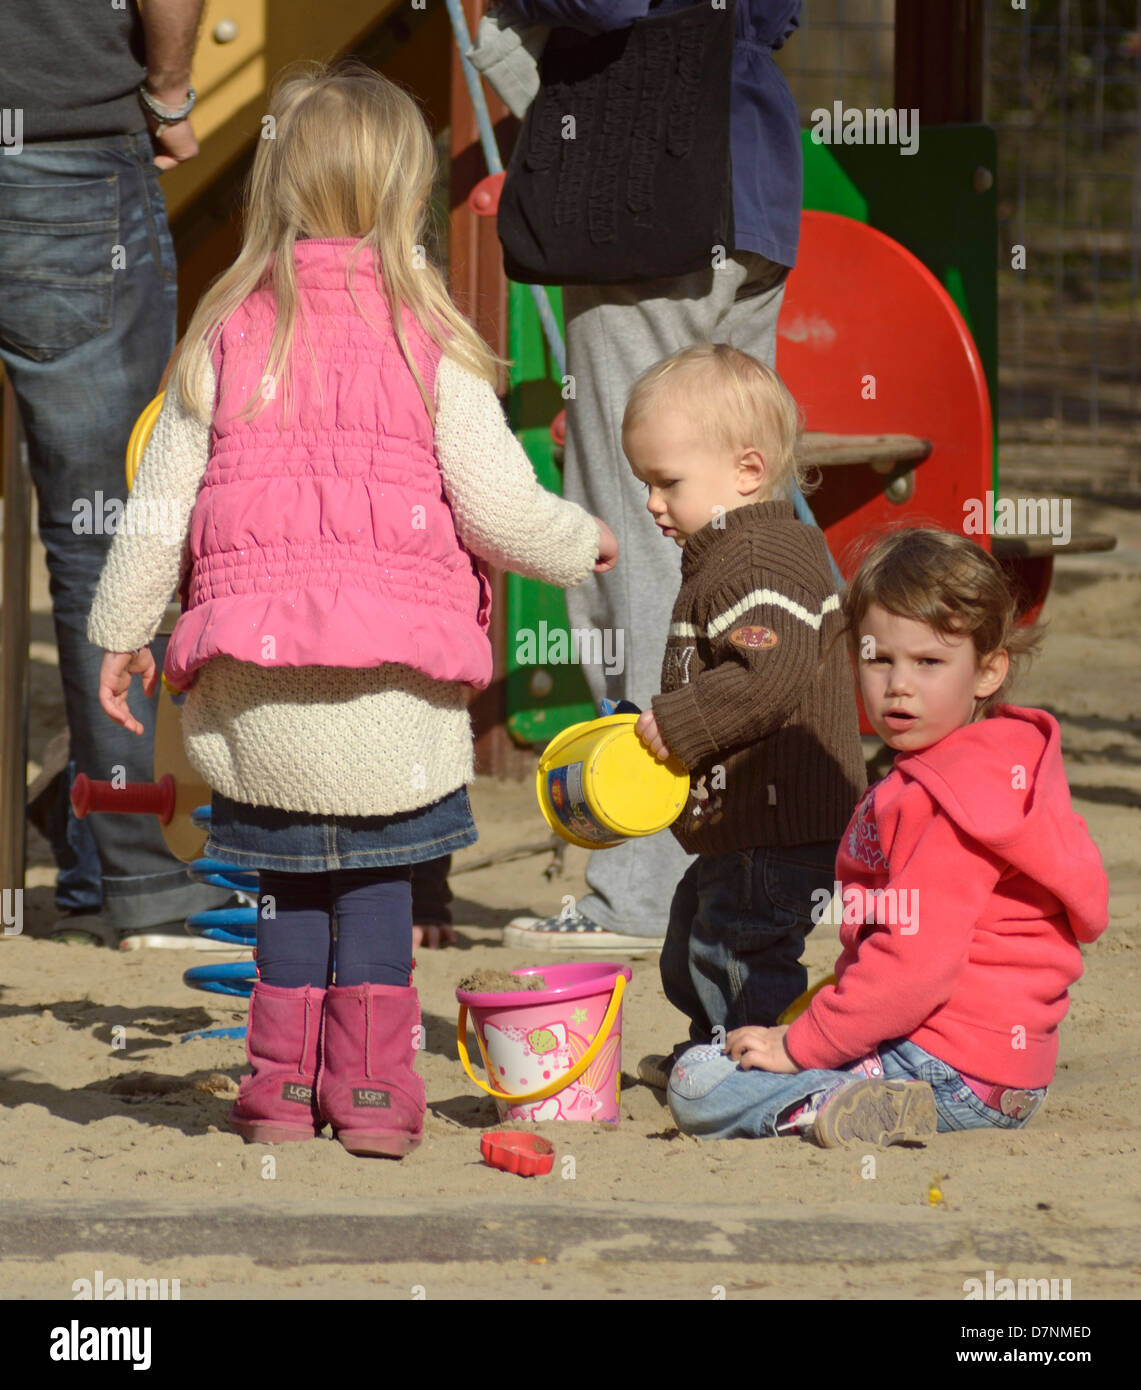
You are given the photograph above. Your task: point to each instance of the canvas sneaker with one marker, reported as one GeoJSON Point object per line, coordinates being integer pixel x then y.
{"type": "Point", "coordinates": [874, 1111]}
{"type": "Point", "coordinates": [574, 933]}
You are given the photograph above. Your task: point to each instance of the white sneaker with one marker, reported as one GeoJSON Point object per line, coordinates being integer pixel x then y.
{"type": "Point", "coordinates": [174, 938]}
{"type": "Point", "coordinates": [573, 933]}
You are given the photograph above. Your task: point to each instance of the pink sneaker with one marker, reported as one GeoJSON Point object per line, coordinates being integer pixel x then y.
{"type": "Point", "coordinates": [874, 1111]}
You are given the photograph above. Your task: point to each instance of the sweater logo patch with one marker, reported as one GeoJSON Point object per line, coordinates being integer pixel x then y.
{"type": "Point", "coordinates": [705, 807]}
{"type": "Point", "coordinates": [863, 836]}
{"type": "Point", "coordinates": [675, 669]}
{"type": "Point", "coordinates": [757, 638]}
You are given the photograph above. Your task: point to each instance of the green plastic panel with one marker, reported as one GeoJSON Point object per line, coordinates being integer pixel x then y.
{"type": "Point", "coordinates": [536, 713]}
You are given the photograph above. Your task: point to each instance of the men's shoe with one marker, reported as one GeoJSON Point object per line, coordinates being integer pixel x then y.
{"type": "Point", "coordinates": [85, 929]}
{"type": "Point", "coordinates": [91, 929]}
{"type": "Point", "coordinates": [655, 1069]}
{"type": "Point", "coordinates": [175, 937]}
{"type": "Point", "coordinates": [874, 1111]}
{"type": "Point", "coordinates": [573, 933]}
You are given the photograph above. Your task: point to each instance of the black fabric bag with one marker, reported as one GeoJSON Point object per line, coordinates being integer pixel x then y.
{"type": "Point", "coordinates": [622, 168]}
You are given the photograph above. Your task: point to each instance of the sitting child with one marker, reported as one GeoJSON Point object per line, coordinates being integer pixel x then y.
{"type": "Point", "coordinates": [968, 881]}
{"type": "Point", "coordinates": [757, 698]}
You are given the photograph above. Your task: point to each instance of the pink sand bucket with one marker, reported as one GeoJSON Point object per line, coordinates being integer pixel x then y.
{"type": "Point", "coordinates": [555, 1053]}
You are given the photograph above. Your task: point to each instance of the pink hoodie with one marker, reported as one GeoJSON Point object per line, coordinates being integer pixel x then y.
{"type": "Point", "coordinates": [328, 542]}
{"type": "Point", "coordinates": [968, 880]}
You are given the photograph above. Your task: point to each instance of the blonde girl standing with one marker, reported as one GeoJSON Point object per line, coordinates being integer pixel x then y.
{"type": "Point", "coordinates": [334, 445]}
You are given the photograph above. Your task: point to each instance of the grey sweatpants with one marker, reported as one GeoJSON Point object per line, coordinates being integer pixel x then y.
{"type": "Point", "coordinates": [614, 333]}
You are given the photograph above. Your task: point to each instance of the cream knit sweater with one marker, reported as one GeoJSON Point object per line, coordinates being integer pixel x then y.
{"type": "Point", "coordinates": [333, 740]}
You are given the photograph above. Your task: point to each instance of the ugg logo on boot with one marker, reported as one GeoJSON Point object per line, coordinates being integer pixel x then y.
{"type": "Point", "coordinates": [377, 1098]}
{"type": "Point", "coordinates": [293, 1090]}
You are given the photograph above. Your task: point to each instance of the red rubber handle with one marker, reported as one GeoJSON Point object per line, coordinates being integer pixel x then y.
{"type": "Point", "coordinates": [484, 197]}
{"type": "Point", "coordinates": [132, 798]}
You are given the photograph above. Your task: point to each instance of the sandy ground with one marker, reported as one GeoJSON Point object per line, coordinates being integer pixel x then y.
{"type": "Point", "coordinates": [96, 1174]}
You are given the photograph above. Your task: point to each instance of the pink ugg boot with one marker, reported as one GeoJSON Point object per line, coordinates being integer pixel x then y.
{"type": "Point", "coordinates": [367, 1089]}
{"type": "Point", "coordinates": [277, 1103]}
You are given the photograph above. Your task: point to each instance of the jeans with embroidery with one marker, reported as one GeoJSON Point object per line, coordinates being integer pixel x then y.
{"type": "Point", "coordinates": [710, 1096]}
{"type": "Point", "coordinates": [737, 927]}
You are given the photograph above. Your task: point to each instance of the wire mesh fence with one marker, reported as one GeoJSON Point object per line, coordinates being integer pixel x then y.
{"type": "Point", "coordinates": [1062, 88]}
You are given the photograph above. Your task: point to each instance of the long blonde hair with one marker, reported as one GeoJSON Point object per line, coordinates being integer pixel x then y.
{"type": "Point", "coordinates": [345, 153]}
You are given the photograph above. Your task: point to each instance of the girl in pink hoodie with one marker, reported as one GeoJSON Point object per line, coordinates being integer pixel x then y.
{"type": "Point", "coordinates": [965, 879]}
{"type": "Point", "coordinates": [337, 459]}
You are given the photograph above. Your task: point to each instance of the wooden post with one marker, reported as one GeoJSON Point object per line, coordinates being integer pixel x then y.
{"type": "Point", "coordinates": [939, 59]}
{"type": "Point", "coordinates": [479, 287]}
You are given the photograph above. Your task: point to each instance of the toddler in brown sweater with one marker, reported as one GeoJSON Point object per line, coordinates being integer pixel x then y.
{"type": "Point", "coordinates": [757, 699]}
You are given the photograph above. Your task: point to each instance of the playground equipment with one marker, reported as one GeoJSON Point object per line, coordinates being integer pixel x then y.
{"type": "Point", "coordinates": [887, 339]}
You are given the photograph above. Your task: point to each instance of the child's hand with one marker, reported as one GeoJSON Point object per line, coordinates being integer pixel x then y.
{"type": "Point", "coordinates": [115, 680]}
{"type": "Point", "coordinates": [647, 730]}
{"type": "Point", "coordinates": [762, 1048]}
{"type": "Point", "coordinates": [607, 548]}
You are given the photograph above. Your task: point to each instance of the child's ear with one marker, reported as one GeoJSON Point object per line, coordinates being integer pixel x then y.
{"type": "Point", "coordinates": [992, 672]}
{"type": "Point", "coordinates": [751, 472]}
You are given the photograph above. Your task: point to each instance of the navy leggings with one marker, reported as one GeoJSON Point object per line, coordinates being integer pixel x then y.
{"type": "Point", "coordinates": [371, 910]}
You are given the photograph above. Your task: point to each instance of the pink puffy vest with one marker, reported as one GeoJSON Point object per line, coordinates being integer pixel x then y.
{"type": "Point", "coordinates": [330, 542]}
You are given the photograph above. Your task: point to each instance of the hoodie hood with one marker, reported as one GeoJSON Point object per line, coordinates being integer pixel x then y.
{"type": "Point", "coordinates": [1002, 781]}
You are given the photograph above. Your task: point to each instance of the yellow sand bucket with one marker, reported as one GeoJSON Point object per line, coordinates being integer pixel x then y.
{"type": "Point", "coordinates": [140, 435]}
{"type": "Point", "coordinates": [599, 784]}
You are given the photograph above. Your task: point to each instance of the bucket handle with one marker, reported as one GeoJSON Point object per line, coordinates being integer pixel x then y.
{"type": "Point", "coordinates": [559, 1083]}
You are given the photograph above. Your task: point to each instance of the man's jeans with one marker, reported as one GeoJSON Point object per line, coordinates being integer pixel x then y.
{"type": "Point", "coordinates": [709, 1095]}
{"type": "Point", "coordinates": [736, 934]}
{"type": "Point", "coordinates": [88, 293]}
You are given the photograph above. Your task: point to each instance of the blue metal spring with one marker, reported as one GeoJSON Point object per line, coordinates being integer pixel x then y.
{"type": "Point", "coordinates": [231, 926]}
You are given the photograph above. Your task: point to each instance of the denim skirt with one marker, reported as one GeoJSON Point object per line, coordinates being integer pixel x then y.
{"type": "Point", "coordinates": [263, 837]}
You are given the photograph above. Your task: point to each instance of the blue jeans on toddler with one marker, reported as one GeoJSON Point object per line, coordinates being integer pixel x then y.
{"type": "Point", "coordinates": [736, 933]}
{"type": "Point", "coordinates": [710, 1095]}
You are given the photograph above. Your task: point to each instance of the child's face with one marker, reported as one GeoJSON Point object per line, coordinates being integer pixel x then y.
{"type": "Point", "coordinates": [691, 479]}
{"type": "Point", "coordinates": [918, 684]}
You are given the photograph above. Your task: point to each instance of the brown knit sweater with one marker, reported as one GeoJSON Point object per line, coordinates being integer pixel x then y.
{"type": "Point", "coordinates": [758, 699]}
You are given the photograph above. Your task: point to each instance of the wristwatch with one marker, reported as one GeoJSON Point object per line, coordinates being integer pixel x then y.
{"type": "Point", "coordinates": [168, 115]}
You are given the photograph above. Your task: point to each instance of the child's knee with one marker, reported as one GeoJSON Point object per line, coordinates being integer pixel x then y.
{"type": "Point", "coordinates": [695, 1075]}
